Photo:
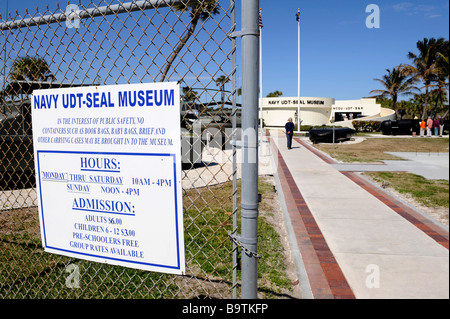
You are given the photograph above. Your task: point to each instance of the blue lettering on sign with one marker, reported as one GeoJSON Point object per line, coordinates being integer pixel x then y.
{"type": "Point", "coordinates": [102, 205]}
{"type": "Point", "coordinates": [100, 164]}
{"type": "Point", "coordinates": [70, 100]}
{"type": "Point", "coordinates": [139, 98]}
{"type": "Point", "coordinates": [45, 101]}
{"type": "Point", "coordinates": [98, 99]}
{"type": "Point", "coordinates": [146, 98]}
{"type": "Point", "coordinates": [169, 97]}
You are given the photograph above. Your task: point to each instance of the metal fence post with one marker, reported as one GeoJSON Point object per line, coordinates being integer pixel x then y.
{"type": "Point", "coordinates": [249, 201]}
{"type": "Point", "coordinates": [146, 33]}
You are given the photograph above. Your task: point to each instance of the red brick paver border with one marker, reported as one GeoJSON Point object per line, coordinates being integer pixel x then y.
{"type": "Point", "coordinates": [437, 233]}
{"type": "Point", "coordinates": [325, 276]}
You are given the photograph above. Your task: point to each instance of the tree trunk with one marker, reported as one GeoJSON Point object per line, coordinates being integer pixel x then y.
{"type": "Point", "coordinates": [445, 114]}
{"type": "Point", "coordinates": [424, 112]}
{"type": "Point", "coordinates": [448, 99]}
{"type": "Point", "coordinates": [439, 102]}
{"type": "Point", "coordinates": [180, 46]}
{"type": "Point", "coordinates": [394, 99]}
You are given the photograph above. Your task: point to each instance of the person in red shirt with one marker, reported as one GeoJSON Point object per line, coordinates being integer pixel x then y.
{"type": "Point", "coordinates": [429, 126]}
{"type": "Point", "coordinates": [436, 125]}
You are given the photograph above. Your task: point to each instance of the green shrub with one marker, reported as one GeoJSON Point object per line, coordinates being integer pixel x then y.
{"type": "Point", "coordinates": [367, 126]}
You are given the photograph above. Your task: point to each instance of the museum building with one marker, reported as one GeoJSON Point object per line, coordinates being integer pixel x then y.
{"type": "Point", "coordinates": [319, 111]}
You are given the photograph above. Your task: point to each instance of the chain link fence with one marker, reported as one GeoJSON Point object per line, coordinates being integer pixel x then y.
{"type": "Point", "coordinates": [101, 43]}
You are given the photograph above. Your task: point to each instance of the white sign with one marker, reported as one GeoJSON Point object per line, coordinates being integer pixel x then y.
{"type": "Point", "coordinates": [108, 172]}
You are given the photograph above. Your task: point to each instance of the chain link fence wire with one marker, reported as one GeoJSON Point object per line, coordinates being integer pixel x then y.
{"type": "Point", "coordinates": [102, 43]}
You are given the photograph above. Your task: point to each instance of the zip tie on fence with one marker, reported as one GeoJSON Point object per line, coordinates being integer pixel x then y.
{"type": "Point", "coordinates": [236, 240]}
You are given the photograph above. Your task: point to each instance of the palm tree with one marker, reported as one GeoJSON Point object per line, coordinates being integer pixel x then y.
{"type": "Point", "coordinates": [275, 94]}
{"type": "Point", "coordinates": [443, 70]}
{"type": "Point", "coordinates": [199, 11]}
{"type": "Point", "coordinates": [189, 95]}
{"type": "Point", "coordinates": [437, 98]}
{"type": "Point", "coordinates": [31, 68]}
{"type": "Point", "coordinates": [424, 64]}
{"type": "Point", "coordinates": [442, 65]}
{"type": "Point", "coordinates": [220, 82]}
{"type": "Point", "coordinates": [395, 83]}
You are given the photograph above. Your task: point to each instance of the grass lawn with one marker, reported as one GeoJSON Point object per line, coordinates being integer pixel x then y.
{"type": "Point", "coordinates": [430, 193]}
{"type": "Point", "coordinates": [28, 272]}
{"type": "Point", "coordinates": [373, 149]}
{"type": "Point", "coordinates": [215, 205]}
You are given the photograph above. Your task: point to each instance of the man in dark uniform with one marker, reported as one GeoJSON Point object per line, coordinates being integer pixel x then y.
{"type": "Point", "coordinates": [290, 127]}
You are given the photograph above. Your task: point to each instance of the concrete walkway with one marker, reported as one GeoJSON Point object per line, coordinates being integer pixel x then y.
{"type": "Point", "coordinates": [351, 239]}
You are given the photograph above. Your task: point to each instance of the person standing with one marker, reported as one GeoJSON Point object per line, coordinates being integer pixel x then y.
{"type": "Point", "coordinates": [429, 126]}
{"type": "Point", "coordinates": [290, 127]}
{"type": "Point", "coordinates": [441, 126]}
{"type": "Point", "coordinates": [423, 126]}
{"type": "Point", "coordinates": [436, 125]}
{"type": "Point", "coordinates": [415, 126]}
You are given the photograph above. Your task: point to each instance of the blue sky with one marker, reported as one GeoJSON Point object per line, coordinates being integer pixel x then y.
{"type": "Point", "coordinates": [340, 55]}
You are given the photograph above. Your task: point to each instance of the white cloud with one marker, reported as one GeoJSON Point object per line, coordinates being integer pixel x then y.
{"type": "Point", "coordinates": [403, 6]}
{"type": "Point", "coordinates": [430, 11]}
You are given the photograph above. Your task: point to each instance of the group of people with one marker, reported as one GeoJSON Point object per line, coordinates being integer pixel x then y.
{"type": "Point", "coordinates": [435, 125]}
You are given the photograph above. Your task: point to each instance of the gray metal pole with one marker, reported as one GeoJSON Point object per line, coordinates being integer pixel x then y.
{"type": "Point", "coordinates": [234, 135]}
{"type": "Point", "coordinates": [249, 193]}
{"type": "Point", "coordinates": [89, 13]}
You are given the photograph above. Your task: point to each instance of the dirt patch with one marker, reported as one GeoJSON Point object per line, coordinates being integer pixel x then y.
{"type": "Point", "coordinates": [20, 221]}
{"type": "Point", "coordinates": [271, 211]}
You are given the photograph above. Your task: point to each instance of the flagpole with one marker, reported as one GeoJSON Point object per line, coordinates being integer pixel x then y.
{"type": "Point", "coordinates": [260, 76]}
{"type": "Point", "coordinates": [298, 105]}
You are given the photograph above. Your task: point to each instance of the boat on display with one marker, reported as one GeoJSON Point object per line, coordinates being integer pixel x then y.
{"type": "Point", "coordinates": [325, 135]}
